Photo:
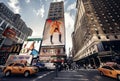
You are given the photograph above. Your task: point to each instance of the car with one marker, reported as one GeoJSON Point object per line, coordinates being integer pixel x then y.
{"type": "Point", "coordinates": [110, 70]}
{"type": "Point", "coordinates": [50, 66]}
{"type": "Point", "coordinates": [19, 68]}
{"type": "Point", "coordinates": [40, 65]}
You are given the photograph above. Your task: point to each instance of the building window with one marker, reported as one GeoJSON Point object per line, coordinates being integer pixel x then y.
{"type": "Point", "coordinates": [116, 37]}
{"type": "Point", "coordinates": [0, 20]}
{"type": "Point", "coordinates": [4, 25]}
{"type": "Point", "coordinates": [96, 30]}
{"type": "Point", "coordinates": [107, 37]}
{"type": "Point", "coordinates": [106, 20]}
{"type": "Point", "coordinates": [115, 23]}
{"type": "Point", "coordinates": [111, 16]}
{"type": "Point", "coordinates": [104, 31]}
{"type": "Point", "coordinates": [110, 28]}
{"type": "Point", "coordinates": [103, 14]}
{"type": "Point", "coordinates": [101, 24]}
{"type": "Point", "coordinates": [99, 37]}
{"type": "Point", "coordinates": [113, 19]}
{"type": "Point", "coordinates": [116, 13]}
{"type": "Point", "coordinates": [109, 13]}
{"type": "Point", "coordinates": [118, 27]}
{"type": "Point", "coordinates": [1, 31]}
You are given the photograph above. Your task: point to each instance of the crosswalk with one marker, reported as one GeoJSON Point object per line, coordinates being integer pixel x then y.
{"type": "Point", "coordinates": [73, 75]}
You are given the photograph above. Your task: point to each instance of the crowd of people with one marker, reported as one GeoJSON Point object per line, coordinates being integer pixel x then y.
{"type": "Point", "coordinates": [73, 66]}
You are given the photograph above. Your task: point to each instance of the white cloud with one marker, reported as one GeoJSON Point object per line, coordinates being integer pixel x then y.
{"type": "Point", "coordinates": [69, 21]}
{"type": "Point", "coordinates": [72, 6]}
{"type": "Point", "coordinates": [69, 24]}
{"type": "Point", "coordinates": [40, 12]}
{"type": "Point", "coordinates": [27, 1]}
{"type": "Point", "coordinates": [14, 4]}
{"type": "Point", "coordinates": [57, 0]}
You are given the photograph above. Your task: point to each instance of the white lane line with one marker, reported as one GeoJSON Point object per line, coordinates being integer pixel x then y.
{"type": "Point", "coordinates": [68, 71]}
{"type": "Point", "coordinates": [78, 75]}
{"type": "Point", "coordinates": [62, 78]}
{"type": "Point", "coordinates": [42, 76]}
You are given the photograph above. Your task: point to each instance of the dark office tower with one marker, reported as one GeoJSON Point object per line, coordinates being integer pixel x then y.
{"type": "Point", "coordinates": [53, 43]}
{"type": "Point", "coordinates": [96, 34]}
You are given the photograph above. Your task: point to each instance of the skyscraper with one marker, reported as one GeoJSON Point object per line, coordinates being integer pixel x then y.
{"type": "Point", "coordinates": [13, 31]}
{"type": "Point", "coordinates": [97, 30]}
{"type": "Point", "coordinates": [53, 43]}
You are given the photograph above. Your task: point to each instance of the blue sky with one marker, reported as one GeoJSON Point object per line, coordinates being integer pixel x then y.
{"type": "Point", "coordinates": [35, 12]}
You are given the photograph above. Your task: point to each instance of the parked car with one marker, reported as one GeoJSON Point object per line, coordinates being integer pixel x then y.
{"type": "Point", "coordinates": [110, 70]}
{"type": "Point", "coordinates": [50, 66]}
{"type": "Point", "coordinates": [40, 65]}
{"type": "Point", "coordinates": [19, 68]}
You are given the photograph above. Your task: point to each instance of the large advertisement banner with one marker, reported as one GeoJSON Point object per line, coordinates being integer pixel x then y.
{"type": "Point", "coordinates": [54, 33]}
{"type": "Point", "coordinates": [31, 48]}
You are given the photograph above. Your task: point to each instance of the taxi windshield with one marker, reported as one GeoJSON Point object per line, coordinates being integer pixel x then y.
{"type": "Point", "coordinates": [116, 67]}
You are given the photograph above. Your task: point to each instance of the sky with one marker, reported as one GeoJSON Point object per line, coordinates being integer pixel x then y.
{"type": "Point", "coordinates": [35, 12]}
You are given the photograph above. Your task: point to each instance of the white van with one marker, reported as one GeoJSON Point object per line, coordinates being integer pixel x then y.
{"type": "Point", "coordinates": [50, 66]}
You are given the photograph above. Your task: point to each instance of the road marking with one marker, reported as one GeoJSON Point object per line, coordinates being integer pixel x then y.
{"type": "Point", "coordinates": [42, 76]}
{"type": "Point", "coordinates": [62, 78]}
{"type": "Point", "coordinates": [78, 75]}
{"type": "Point", "coordinates": [68, 71]}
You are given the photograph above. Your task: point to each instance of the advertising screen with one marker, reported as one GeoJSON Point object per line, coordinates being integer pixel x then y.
{"type": "Point", "coordinates": [31, 47]}
{"type": "Point", "coordinates": [54, 32]}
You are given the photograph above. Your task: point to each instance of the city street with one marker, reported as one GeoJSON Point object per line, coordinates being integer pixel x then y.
{"type": "Point", "coordinates": [79, 75]}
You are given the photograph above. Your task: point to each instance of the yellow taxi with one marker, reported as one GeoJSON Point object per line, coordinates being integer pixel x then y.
{"type": "Point", "coordinates": [111, 70]}
{"type": "Point", "coordinates": [19, 68]}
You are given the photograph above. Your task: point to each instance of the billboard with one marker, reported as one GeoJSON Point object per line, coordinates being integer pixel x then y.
{"type": "Point", "coordinates": [9, 32]}
{"type": "Point", "coordinates": [7, 50]}
{"type": "Point", "coordinates": [54, 32]}
{"type": "Point", "coordinates": [13, 49]}
{"type": "Point", "coordinates": [14, 58]}
{"type": "Point", "coordinates": [31, 47]}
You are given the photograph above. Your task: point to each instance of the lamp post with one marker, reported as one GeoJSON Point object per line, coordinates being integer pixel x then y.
{"type": "Point", "coordinates": [112, 52]}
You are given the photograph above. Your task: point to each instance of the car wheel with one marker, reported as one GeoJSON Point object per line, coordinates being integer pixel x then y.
{"type": "Point", "coordinates": [118, 77]}
{"type": "Point", "coordinates": [101, 73]}
{"type": "Point", "coordinates": [26, 73]}
{"type": "Point", "coordinates": [7, 73]}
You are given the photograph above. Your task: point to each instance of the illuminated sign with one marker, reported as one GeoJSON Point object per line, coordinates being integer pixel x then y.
{"type": "Point", "coordinates": [9, 32]}
{"type": "Point", "coordinates": [14, 48]}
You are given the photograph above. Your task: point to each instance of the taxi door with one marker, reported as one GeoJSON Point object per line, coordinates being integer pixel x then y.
{"type": "Point", "coordinates": [105, 70]}
{"type": "Point", "coordinates": [15, 68]}
{"type": "Point", "coordinates": [110, 71]}
{"type": "Point", "coordinates": [21, 68]}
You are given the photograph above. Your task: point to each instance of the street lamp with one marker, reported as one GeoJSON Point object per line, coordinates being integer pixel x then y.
{"type": "Point", "coordinates": [112, 52]}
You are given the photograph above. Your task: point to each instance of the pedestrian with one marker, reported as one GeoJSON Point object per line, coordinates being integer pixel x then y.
{"type": "Point", "coordinates": [84, 66]}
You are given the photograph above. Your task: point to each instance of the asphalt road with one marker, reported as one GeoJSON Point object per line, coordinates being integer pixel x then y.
{"type": "Point", "coordinates": [74, 75]}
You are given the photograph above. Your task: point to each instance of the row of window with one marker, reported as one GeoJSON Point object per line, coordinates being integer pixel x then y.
{"type": "Point", "coordinates": [52, 51]}
{"type": "Point", "coordinates": [57, 5]}
{"type": "Point", "coordinates": [2, 26]}
{"type": "Point", "coordinates": [56, 16]}
{"type": "Point", "coordinates": [107, 37]}
{"type": "Point", "coordinates": [6, 12]}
